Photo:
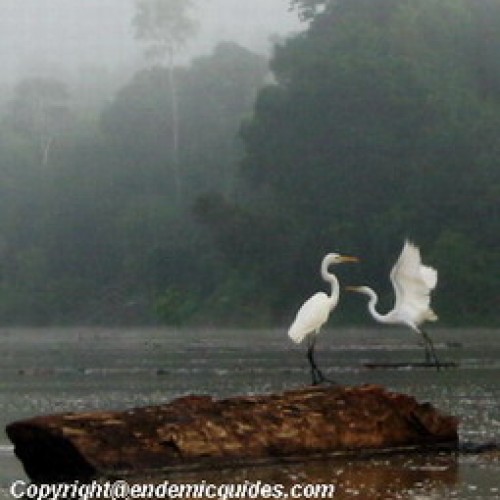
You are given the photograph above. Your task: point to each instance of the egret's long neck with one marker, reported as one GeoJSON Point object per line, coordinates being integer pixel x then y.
{"type": "Point", "coordinates": [372, 303]}
{"type": "Point", "coordinates": [334, 283]}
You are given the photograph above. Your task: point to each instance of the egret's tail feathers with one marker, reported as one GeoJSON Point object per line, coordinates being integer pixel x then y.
{"type": "Point", "coordinates": [296, 335]}
{"type": "Point", "coordinates": [431, 315]}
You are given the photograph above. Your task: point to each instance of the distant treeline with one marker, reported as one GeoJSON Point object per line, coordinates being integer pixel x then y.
{"type": "Point", "coordinates": [378, 122]}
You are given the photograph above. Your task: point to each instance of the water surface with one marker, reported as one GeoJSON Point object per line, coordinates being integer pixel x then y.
{"type": "Point", "coordinates": [81, 369]}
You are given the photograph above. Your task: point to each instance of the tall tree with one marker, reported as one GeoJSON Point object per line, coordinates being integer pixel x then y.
{"type": "Point", "coordinates": [308, 9]}
{"type": "Point", "coordinates": [215, 92]}
{"type": "Point", "coordinates": [380, 125]}
{"type": "Point", "coordinates": [40, 110]}
{"type": "Point", "coordinates": [166, 26]}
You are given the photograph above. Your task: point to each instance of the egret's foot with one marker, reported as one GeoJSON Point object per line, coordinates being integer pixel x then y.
{"type": "Point", "coordinates": [430, 351]}
{"type": "Point", "coordinates": [329, 381]}
{"type": "Point", "coordinates": [317, 375]}
{"type": "Point", "coordinates": [427, 354]}
{"type": "Point", "coordinates": [433, 360]}
{"type": "Point", "coordinates": [323, 379]}
{"type": "Point", "coordinates": [437, 364]}
{"type": "Point", "coordinates": [315, 379]}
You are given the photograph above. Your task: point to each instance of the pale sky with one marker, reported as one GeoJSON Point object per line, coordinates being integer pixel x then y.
{"type": "Point", "coordinates": [56, 34]}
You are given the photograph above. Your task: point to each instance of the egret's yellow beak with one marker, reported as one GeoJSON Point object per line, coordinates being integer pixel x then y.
{"type": "Point", "coordinates": [352, 288]}
{"type": "Point", "coordinates": [348, 258]}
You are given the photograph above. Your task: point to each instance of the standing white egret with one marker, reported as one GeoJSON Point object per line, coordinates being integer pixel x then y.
{"type": "Point", "coordinates": [315, 311]}
{"type": "Point", "coordinates": [413, 283]}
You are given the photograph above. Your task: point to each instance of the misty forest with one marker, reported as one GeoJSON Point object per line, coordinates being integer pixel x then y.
{"type": "Point", "coordinates": [208, 192]}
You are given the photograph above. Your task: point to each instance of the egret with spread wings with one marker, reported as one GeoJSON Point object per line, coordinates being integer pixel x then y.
{"type": "Point", "coordinates": [314, 313]}
{"type": "Point", "coordinates": [413, 283]}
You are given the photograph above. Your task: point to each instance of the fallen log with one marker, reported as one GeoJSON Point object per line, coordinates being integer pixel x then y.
{"type": "Point", "coordinates": [200, 431]}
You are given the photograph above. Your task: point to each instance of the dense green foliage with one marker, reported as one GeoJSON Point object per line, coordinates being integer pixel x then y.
{"type": "Point", "coordinates": [382, 122]}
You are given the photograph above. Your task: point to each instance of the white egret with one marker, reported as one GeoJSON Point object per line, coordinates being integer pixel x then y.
{"type": "Point", "coordinates": [315, 311]}
{"type": "Point", "coordinates": [413, 283]}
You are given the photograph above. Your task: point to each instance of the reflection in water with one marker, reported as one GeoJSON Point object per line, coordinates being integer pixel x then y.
{"type": "Point", "coordinates": [396, 476]}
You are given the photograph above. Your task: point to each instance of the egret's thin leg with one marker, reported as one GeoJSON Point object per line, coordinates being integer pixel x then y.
{"type": "Point", "coordinates": [427, 352]}
{"type": "Point", "coordinates": [317, 374]}
{"type": "Point", "coordinates": [430, 345]}
{"type": "Point", "coordinates": [322, 378]}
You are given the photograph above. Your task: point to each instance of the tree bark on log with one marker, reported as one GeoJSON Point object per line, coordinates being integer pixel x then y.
{"type": "Point", "coordinates": [200, 431]}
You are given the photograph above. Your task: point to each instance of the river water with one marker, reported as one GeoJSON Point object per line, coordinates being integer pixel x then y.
{"type": "Point", "coordinates": [81, 369]}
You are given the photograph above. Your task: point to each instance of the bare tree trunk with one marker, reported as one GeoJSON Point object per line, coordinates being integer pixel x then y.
{"type": "Point", "coordinates": [45, 149]}
{"type": "Point", "coordinates": [175, 127]}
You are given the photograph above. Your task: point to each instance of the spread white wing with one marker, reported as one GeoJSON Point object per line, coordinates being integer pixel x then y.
{"type": "Point", "coordinates": [413, 283]}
